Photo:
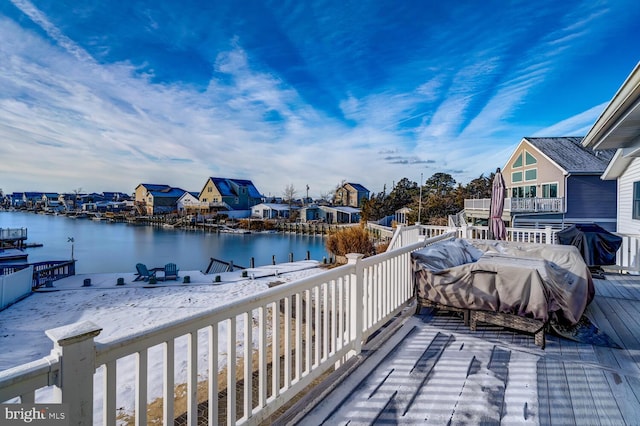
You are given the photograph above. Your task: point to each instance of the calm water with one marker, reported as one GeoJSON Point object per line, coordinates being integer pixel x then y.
{"type": "Point", "coordinates": [101, 246]}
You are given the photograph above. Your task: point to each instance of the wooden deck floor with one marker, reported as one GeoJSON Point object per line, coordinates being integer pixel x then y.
{"type": "Point", "coordinates": [435, 371]}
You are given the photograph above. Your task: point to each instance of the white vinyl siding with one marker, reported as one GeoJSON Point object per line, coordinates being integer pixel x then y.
{"type": "Point", "coordinates": [626, 223]}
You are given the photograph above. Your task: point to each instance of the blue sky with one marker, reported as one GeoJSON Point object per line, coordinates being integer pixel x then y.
{"type": "Point", "coordinates": [105, 95]}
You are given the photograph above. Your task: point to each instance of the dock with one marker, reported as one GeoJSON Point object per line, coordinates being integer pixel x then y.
{"type": "Point", "coordinates": [13, 238]}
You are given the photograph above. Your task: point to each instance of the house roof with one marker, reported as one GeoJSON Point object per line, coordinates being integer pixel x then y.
{"type": "Point", "coordinates": [357, 187]}
{"type": "Point", "coordinates": [273, 206]}
{"type": "Point", "coordinates": [569, 154]}
{"type": "Point", "coordinates": [154, 187]}
{"type": "Point", "coordinates": [619, 124]}
{"type": "Point", "coordinates": [168, 193]}
{"type": "Point", "coordinates": [226, 189]}
{"type": "Point", "coordinates": [343, 209]}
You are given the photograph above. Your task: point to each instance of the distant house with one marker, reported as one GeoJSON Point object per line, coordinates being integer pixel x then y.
{"type": "Point", "coordinates": [311, 212]}
{"type": "Point", "coordinates": [32, 199]}
{"type": "Point", "coordinates": [17, 199]}
{"type": "Point", "coordinates": [351, 194]}
{"type": "Point", "coordinates": [189, 203]}
{"type": "Point", "coordinates": [115, 196]}
{"type": "Point", "coordinates": [154, 199]}
{"type": "Point", "coordinates": [270, 211]}
{"type": "Point", "coordinates": [553, 181]}
{"type": "Point", "coordinates": [230, 194]}
{"type": "Point", "coordinates": [618, 128]}
{"type": "Point", "coordinates": [340, 214]}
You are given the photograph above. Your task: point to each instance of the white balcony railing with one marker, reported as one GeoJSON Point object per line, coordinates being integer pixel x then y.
{"type": "Point", "coordinates": [292, 334]}
{"type": "Point", "coordinates": [519, 205]}
{"type": "Point", "coordinates": [300, 329]}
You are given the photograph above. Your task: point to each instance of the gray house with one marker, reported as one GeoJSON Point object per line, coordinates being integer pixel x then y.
{"type": "Point", "coordinates": [553, 181]}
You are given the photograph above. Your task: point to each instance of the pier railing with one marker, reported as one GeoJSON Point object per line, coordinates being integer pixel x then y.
{"type": "Point", "coordinates": [13, 233]}
{"type": "Point", "coordinates": [271, 346]}
{"type": "Point", "coordinates": [43, 271]}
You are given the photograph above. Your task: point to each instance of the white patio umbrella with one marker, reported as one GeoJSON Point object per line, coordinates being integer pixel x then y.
{"type": "Point", "coordinates": [496, 225]}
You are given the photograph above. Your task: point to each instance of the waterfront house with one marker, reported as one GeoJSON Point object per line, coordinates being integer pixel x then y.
{"type": "Point", "coordinates": [270, 211]}
{"type": "Point", "coordinates": [151, 199]}
{"type": "Point", "coordinates": [340, 214]}
{"type": "Point", "coordinates": [115, 196]}
{"type": "Point", "coordinates": [618, 127]}
{"type": "Point", "coordinates": [32, 200]}
{"type": "Point", "coordinates": [351, 194]}
{"type": "Point", "coordinates": [224, 194]}
{"type": "Point", "coordinates": [553, 181]}
{"type": "Point", "coordinates": [16, 199]}
{"type": "Point", "coordinates": [189, 203]}
{"type": "Point", "coordinates": [311, 212]}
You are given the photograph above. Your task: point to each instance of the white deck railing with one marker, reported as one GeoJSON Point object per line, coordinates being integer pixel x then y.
{"type": "Point", "coordinates": [306, 327]}
{"type": "Point", "coordinates": [627, 256]}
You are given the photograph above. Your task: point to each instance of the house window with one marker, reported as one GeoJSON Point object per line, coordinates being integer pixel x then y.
{"type": "Point", "coordinates": [210, 189]}
{"type": "Point", "coordinates": [516, 177]}
{"type": "Point", "coordinates": [527, 191]}
{"type": "Point", "coordinates": [549, 190]}
{"type": "Point", "coordinates": [530, 191]}
{"type": "Point", "coordinates": [529, 159]}
{"type": "Point", "coordinates": [636, 200]}
{"type": "Point", "coordinates": [531, 174]}
{"type": "Point", "coordinates": [518, 162]}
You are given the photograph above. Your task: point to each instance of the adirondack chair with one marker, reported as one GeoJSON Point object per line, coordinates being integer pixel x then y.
{"type": "Point", "coordinates": [170, 271]}
{"type": "Point", "coordinates": [143, 273]}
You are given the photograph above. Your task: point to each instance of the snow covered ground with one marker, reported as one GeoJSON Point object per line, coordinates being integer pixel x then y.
{"type": "Point", "coordinates": [125, 309]}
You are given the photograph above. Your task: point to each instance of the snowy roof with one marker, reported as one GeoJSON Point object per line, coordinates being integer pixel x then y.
{"type": "Point", "coordinates": [570, 155]}
{"type": "Point", "coordinates": [344, 209]}
{"type": "Point", "coordinates": [273, 206]}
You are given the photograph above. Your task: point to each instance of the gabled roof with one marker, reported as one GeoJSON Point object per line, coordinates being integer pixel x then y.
{"type": "Point", "coordinates": [191, 194]}
{"type": "Point", "coordinates": [569, 154]}
{"type": "Point", "coordinates": [357, 187]}
{"type": "Point", "coordinates": [226, 188]}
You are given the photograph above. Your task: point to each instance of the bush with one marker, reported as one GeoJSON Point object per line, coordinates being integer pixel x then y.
{"type": "Point", "coordinates": [354, 239]}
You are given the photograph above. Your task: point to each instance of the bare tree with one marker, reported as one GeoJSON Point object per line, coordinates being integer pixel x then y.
{"type": "Point", "coordinates": [289, 193]}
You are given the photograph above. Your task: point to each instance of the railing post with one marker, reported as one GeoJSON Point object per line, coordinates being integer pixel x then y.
{"type": "Point", "coordinates": [357, 299]}
{"type": "Point", "coordinates": [74, 346]}
{"type": "Point", "coordinates": [548, 235]}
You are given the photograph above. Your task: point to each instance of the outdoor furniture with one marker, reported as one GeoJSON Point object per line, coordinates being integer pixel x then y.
{"type": "Point", "coordinates": [518, 285]}
{"type": "Point", "coordinates": [170, 272]}
{"type": "Point", "coordinates": [143, 273]}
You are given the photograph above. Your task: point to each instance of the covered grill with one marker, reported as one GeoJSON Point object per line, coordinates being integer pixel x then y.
{"type": "Point", "coordinates": [597, 245]}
